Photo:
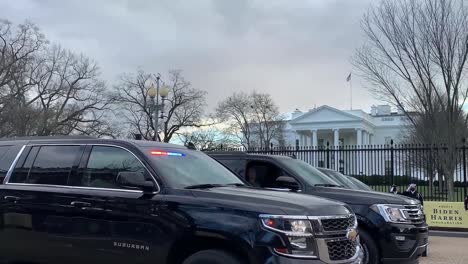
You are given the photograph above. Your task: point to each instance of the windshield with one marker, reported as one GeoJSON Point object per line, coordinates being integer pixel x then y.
{"type": "Point", "coordinates": [340, 178]}
{"type": "Point", "coordinates": [360, 184]}
{"type": "Point", "coordinates": [310, 174]}
{"type": "Point", "coordinates": [183, 168]}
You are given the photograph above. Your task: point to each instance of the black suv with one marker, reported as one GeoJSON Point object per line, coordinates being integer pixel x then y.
{"type": "Point", "coordinates": [83, 200]}
{"type": "Point", "coordinates": [392, 227]}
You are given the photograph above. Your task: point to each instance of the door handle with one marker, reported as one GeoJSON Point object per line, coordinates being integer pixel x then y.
{"type": "Point", "coordinates": [11, 198]}
{"type": "Point", "coordinates": [80, 204]}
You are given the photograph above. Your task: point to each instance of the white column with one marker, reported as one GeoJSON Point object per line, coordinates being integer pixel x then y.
{"type": "Point", "coordinates": [358, 136]}
{"type": "Point", "coordinates": [314, 138]}
{"type": "Point", "coordinates": [371, 138]}
{"type": "Point", "coordinates": [336, 137]}
{"type": "Point", "coordinates": [364, 137]}
{"type": "Point", "coordinates": [301, 141]}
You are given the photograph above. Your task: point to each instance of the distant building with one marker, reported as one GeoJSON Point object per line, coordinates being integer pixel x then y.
{"type": "Point", "coordinates": [326, 124]}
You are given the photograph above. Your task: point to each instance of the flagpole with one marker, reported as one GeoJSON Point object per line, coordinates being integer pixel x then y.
{"type": "Point", "coordinates": [351, 92]}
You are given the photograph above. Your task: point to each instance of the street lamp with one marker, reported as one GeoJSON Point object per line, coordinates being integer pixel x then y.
{"type": "Point", "coordinates": [155, 107]}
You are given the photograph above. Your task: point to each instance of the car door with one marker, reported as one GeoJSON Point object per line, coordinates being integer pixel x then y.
{"type": "Point", "coordinates": [113, 223]}
{"type": "Point", "coordinates": [34, 221]}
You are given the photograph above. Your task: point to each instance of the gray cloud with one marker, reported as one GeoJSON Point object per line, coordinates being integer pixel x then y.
{"type": "Point", "coordinates": [296, 50]}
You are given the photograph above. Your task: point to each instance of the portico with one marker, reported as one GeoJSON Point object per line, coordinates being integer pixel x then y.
{"type": "Point", "coordinates": [334, 137]}
{"type": "Point", "coordinates": [327, 125]}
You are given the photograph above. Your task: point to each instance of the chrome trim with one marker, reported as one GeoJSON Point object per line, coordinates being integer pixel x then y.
{"type": "Point", "coordinates": [321, 242]}
{"type": "Point", "coordinates": [399, 207]}
{"type": "Point", "coordinates": [13, 165]}
{"type": "Point", "coordinates": [289, 217]}
{"type": "Point", "coordinates": [295, 256]}
{"type": "Point", "coordinates": [10, 171]}
{"type": "Point", "coordinates": [337, 232]}
{"type": "Point", "coordinates": [418, 247]}
{"type": "Point", "coordinates": [73, 187]}
{"type": "Point", "coordinates": [329, 217]}
{"type": "Point", "coordinates": [304, 217]}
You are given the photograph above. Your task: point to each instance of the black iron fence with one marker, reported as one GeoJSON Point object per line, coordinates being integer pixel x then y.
{"type": "Point", "coordinates": [439, 171]}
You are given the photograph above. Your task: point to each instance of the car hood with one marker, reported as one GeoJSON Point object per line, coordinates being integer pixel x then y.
{"type": "Point", "coordinates": [358, 197]}
{"type": "Point", "coordinates": [271, 202]}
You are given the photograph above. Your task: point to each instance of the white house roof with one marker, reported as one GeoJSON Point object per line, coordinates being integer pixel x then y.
{"type": "Point", "coordinates": [327, 113]}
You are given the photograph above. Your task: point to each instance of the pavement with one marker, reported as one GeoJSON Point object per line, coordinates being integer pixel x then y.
{"type": "Point", "coordinates": [446, 250]}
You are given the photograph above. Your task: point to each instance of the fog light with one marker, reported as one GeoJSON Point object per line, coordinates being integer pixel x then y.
{"type": "Point", "coordinates": [400, 238]}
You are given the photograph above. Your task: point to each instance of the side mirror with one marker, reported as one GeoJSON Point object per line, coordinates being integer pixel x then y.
{"type": "Point", "coordinates": [135, 180]}
{"type": "Point", "coordinates": [287, 182]}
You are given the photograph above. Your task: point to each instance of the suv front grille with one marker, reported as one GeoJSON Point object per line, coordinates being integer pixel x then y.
{"type": "Point", "coordinates": [414, 214]}
{"type": "Point", "coordinates": [341, 249]}
{"type": "Point", "coordinates": [337, 224]}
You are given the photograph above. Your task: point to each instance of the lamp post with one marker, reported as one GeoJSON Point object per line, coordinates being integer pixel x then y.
{"type": "Point", "coordinates": [154, 93]}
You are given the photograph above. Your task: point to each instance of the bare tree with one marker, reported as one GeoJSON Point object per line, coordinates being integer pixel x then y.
{"type": "Point", "coordinates": [415, 58]}
{"type": "Point", "coordinates": [46, 90]}
{"type": "Point", "coordinates": [208, 139]}
{"type": "Point", "coordinates": [268, 122]}
{"type": "Point", "coordinates": [254, 118]}
{"type": "Point", "coordinates": [18, 47]}
{"type": "Point", "coordinates": [184, 106]}
{"type": "Point", "coordinates": [236, 110]}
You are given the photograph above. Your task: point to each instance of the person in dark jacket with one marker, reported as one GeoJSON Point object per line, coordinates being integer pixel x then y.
{"type": "Point", "coordinates": [394, 189]}
{"type": "Point", "coordinates": [413, 193]}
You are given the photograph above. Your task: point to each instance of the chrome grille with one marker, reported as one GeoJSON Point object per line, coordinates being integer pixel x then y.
{"type": "Point", "coordinates": [341, 249]}
{"type": "Point", "coordinates": [414, 214]}
{"type": "Point", "coordinates": [338, 224]}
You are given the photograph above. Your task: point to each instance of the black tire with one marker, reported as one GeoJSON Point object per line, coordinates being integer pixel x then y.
{"type": "Point", "coordinates": [212, 256]}
{"type": "Point", "coordinates": [369, 247]}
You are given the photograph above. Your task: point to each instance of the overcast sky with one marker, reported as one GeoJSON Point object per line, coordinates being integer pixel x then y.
{"type": "Point", "coordinates": [298, 51]}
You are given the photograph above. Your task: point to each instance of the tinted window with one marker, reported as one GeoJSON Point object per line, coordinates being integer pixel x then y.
{"type": "Point", "coordinates": [340, 178]}
{"type": "Point", "coordinates": [7, 155]}
{"type": "Point", "coordinates": [308, 173]}
{"type": "Point", "coordinates": [50, 165]}
{"type": "Point", "coordinates": [236, 165]}
{"type": "Point", "coordinates": [265, 175]}
{"type": "Point", "coordinates": [360, 184]}
{"type": "Point", "coordinates": [105, 163]}
{"type": "Point", "coordinates": [182, 168]}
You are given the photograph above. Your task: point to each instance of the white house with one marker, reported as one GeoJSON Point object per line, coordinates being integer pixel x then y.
{"type": "Point", "coordinates": [326, 124]}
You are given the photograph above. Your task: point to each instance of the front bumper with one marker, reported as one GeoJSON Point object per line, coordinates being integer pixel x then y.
{"type": "Point", "coordinates": [278, 259]}
{"type": "Point", "coordinates": [403, 243]}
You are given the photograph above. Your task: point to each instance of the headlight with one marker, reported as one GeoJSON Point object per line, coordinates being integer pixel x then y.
{"type": "Point", "coordinates": [297, 233]}
{"type": "Point", "coordinates": [391, 213]}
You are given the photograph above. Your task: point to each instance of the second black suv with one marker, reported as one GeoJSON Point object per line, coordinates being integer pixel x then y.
{"type": "Point", "coordinates": [73, 200]}
{"type": "Point", "coordinates": [391, 227]}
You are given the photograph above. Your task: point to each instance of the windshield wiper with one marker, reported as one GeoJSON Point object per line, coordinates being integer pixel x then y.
{"type": "Point", "coordinates": [211, 185]}
{"type": "Point", "coordinates": [236, 184]}
{"type": "Point", "coordinates": [328, 185]}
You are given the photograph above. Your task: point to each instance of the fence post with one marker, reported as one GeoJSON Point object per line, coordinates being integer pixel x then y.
{"type": "Point", "coordinates": [464, 167]}
{"type": "Point", "coordinates": [392, 159]}
{"type": "Point", "coordinates": [271, 148]}
{"type": "Point", "coordinates": [328, 154]}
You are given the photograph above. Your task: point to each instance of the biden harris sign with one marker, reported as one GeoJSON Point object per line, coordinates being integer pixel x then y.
{"type": "Point", "coordinates": [446, 214]}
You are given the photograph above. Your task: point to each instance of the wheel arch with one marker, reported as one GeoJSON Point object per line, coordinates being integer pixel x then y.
{"type": "Point", "coordinates": [188, 245]}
